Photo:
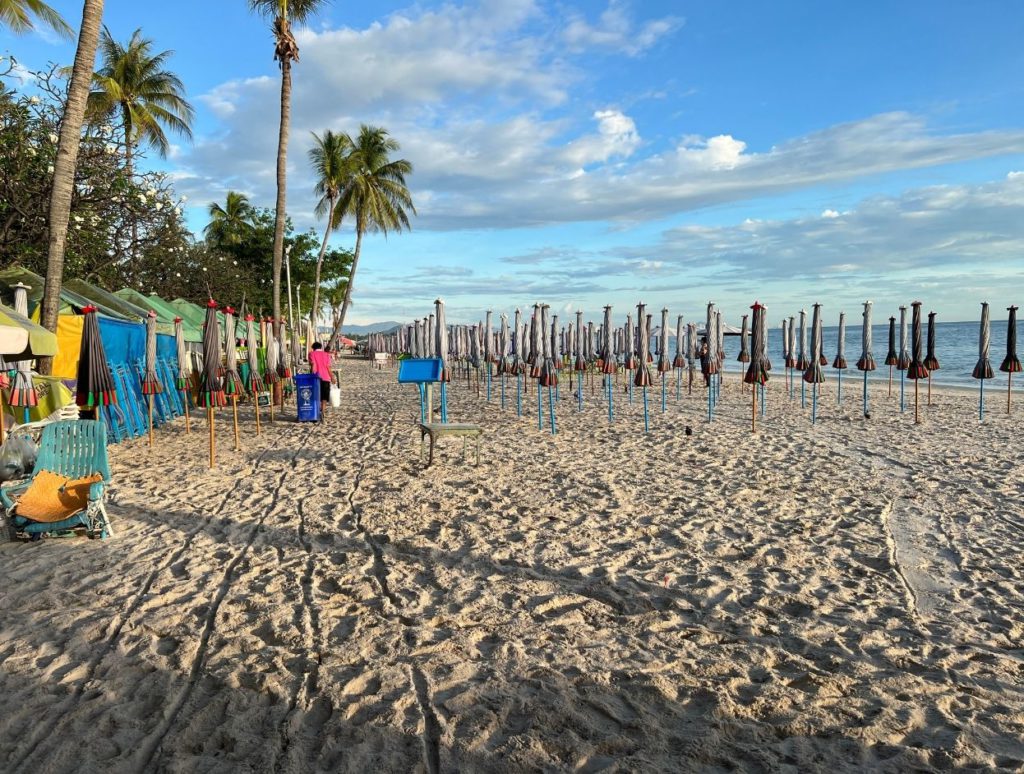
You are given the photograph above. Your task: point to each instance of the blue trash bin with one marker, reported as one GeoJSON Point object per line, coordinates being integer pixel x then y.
{"type": "Point", "coordinates": [307, 397]}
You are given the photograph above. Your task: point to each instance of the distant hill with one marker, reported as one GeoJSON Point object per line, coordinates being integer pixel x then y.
{"type": "Point", "coordinates": [362, 330]}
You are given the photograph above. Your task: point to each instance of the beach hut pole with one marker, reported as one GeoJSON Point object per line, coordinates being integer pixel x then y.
{"type": "Point", "coordinates": [983, 368]}
{"type": "Point", "coordinates": [1011, 363]}
{"type": "Point", "coordinates": [866, 362]}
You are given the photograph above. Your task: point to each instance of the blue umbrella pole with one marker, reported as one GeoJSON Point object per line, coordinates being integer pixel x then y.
{"type": "Point", "coordinates": [630, 379]}
{"type": "Point", "coordinates": [488, 382]}
{"type": "Point", "coordinates": [647, 421]}
{"type": "Point", "coordinates": [839, 398]}
{"type": "Point", "coordinates": [444, 403]}
{"type": "Point", "coordinates": [557, 396]}
{"type": "Point", "coordinates": [710, 403]}
{"type": "Point", "coordinates": [423, 404]}
{"type": "Point", "coordinates": [519, 396]}
{"type": "Point", "coordinates": [981, 400]}
{"type": "Point", "coordinates": [803, 394]}
{"type": "Point", "coordinates": [663, 407]}
{"type": "Point", "coordinates": [790, 383]}
{"type": "Point", "coordinates": [611, 400]}
{"type": "Point", "coordinates": [579, 391]}
{"type": "Point", "coordinates": [679, 381]}
{"type": "Point", "coordinates": [814, 403]}
{"type": "Point", "coordinates": [540, 409]}
{"type": "Point", "coordinates": [551, 409]}
{"type": "Point", "coordinates": [865, 393]}
{"type": "Point", "coordinates": [503, 391]}
{"type": "Point", "coordinates": [763, 394]}
{"type": "Point", "coordinates": [902, 375]}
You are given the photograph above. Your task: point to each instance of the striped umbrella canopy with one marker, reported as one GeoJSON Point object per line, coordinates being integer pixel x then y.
{"type": "Point", "coordinates": [232, 381]}
{"type": "Point", "coordinates": [95, 386]}
{"type": "Point", "coordinates": [680, 359]}
{"type": "Point", "coordinates": [441, 340]}
{"type": "Point", "coordinates": [664, 364]}
{"type": "Point", "coordinates": [23, 392]}
{"type": "Point", "coordinates": [580, 363]}
{"type": "Point", "coordinates": [744, 356]}
{"type": "Point", "coordinates": [916, 369]}
{"type": "Point", "coordinates": [791, 351]}
{"type": "Point", "coordinates": [709, 362]}
{"type": "Point", "coordinates": [643, 370]}
{"type": "Point", "coordinates": [548, 373]}
{"type": "Point", "coordinates": [150, 381]}
{"type": "Point", "coordinates": [840, 361]}
{"type": "Point", "coordinates": [255, 384]}
{"type": "Point", "coordinates": [931, 362]}
{"type": "Point", "coordinates": [629, 344]}
{"type": "Point", "coordinates": [535, 359]}
{"type": "Point", "coordinates": [756, 372]}
{"type": "Point", "coordinates": [184, 364]}
{"type": "Point", "coordinates": [211, 386]}
{"type": "Point", "coordinates": [892, 358]}
{"type": "Point", "coordinates": [812, 372]}
{"type": "Point", "coordinates": [903, 361]}
{"type": "Point", "coordinates": [504, 347]}
{"type": "Point", "coordinates": [1011, 363]}
{"type": "Point", "coordinates": [607, 353]}
{"type": "Point", "coordinates": [983, 368]}
{"type": "Point", "coordinates": [801, 361]}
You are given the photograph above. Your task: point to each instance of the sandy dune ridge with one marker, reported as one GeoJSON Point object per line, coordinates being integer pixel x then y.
{"type": "Point", "coordinates": [846, 596]}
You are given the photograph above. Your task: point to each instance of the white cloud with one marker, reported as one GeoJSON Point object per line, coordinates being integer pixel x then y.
{"type": "Point", "coordinates": [829, 214]}
{"type": "Point", "coordinates": [616, 31]}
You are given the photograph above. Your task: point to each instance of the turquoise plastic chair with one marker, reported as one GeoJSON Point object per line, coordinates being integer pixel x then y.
{"type": "Point", "coordinates": [72, 449]}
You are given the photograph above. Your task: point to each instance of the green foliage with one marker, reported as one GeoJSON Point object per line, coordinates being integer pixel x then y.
{"type": "Point", "coordinates": [375, 194]}
{"type": "Point", "coordinates": [17, 15]}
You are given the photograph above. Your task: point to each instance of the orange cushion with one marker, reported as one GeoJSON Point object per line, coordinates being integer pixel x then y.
{"type": "Point", "coordinates": [52, 497]}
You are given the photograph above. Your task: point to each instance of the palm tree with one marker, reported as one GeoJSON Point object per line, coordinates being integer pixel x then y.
{"type": "Point", "coordinates": [17, 15]}
{"type": "Point", "coordinates": [66, 161]}
{"type": "Point", "coordinates": [375, 195]}
{"type": "Point", "coordinates": [283, 13]}
{"type": "Point", "coordinates": [329, 158]}
{"type": "Point", "coordinates": [135, 83]}
{"type": "Point", "coordinates": [231, 224]}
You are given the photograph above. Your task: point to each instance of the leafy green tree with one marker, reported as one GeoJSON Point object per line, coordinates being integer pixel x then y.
{"type": "Point", "coordinates": [374, 195]}
{"type": "Point", "coordinates": [283, 13]}
{"type": "Point", "coordinates": [329, 159]}
{"type": "Point", "coordinates": [17, 15]}
{"type": "Point", "coordinates": [231, 224]}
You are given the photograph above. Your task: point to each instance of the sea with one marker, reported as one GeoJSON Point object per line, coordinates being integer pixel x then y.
{"type": "Point", "coordinates": [956, 347]}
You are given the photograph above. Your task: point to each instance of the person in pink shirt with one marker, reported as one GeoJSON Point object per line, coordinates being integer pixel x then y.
{"type": "Point", "coordinates": [320, 364]}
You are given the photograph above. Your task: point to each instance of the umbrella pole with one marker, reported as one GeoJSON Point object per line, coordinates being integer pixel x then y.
{"type": "Point", "coordinates": [753, 411]}
{"type": "Point", "coordinates": [256, 405]}
{"type": "Point", "coordinates": [503, 392]}
{"type": "Point", "coordinates": [611, 405]}
{"type": "Point", "coordinates": [551, 409]}
{"type": "Point", "coordinates": [917, 419]}
{"type": "Point", "coordinates": [234, 417]}
{"type": "Point", "coordinates": [764, 400]}
{"type": "Point", "coordinates": [890, 380]}
{"type": "Point", "coordinates": [839, 399]}
{"type": "Point", "coordinates": [519, 396]}
{"type": "Point", "coordinates": [647, 422]}
{"type": "Point", "coordinates": [814, 403]}
{"type": "Point", "coordinates": [929, 388]}
{"type": "Point", "coordinates": [981, 400]}
{"type": "Point", "coordinates": [902, 377]}
{"type": "Point", "coordinates": [184, 402]}
{"type": "Point", "coordinates": [2, 431]}
{"type": "Point", "coordinates": [630, 386]}
{"type": "Point", "coordinates": [679, 381]}
{"type": "Point", "coordinates": [579, 393]}
{"type": "Point", "coordinates": [150, 412]}
{"type": "Point", "coordinates": [865, 393]}
{"type": "Point", "coordinates": [209, 417]}
{"type": "Point", "coordinates": [540, 409]}
{"type": "Point", "coordinates": [663, 409]}
{"type": "Point", "coordinates": [1009, 380]}
{"type": "Point", "coordinates": [803, 394]}
{"type": "Point", "coordinates": [710, 390]}
{"type": "Point", "coordinates": [488, 382]}
{"type": "Point", "coordinates": [423, 405]}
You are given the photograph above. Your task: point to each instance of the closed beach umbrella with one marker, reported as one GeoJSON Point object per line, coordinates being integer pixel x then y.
{"type": "Point", "coordinates": [917, 369]}
{"type": "Point", "coordinates": [931, 362]}
{"type": "Point", "coordinates": [983, 368]}
{"type": "Point", "coordinates": [95, 386]}
{"type": "Point", "coordinates": [643, 372]}
{"type": "Point", "coordinates": [535, 358]}
{"type": "Point", "coordinates": [441, 351]}
{"type": "Point", "coordinates": [488, 350]}
{"type": "Point", "coordinates": [866, 362]}
{"type": "Point", "coordinates": [903, 361]}
{"type": "Point", "coordinates": [802, 362]}
{"type": "Point", "coordinates": [813, 374]}
{"type": "Point", "coordinates": [233, 386]}
{"type": "Point", "coordinates": [255, 385]}
{"type": "Point", "coordinates": [629, 344]}
{"type": "Point", "coordinates": [150, 381]}
{"type": "Point", "coordinates": [756, 373]}
{"type": "Point", "coordinates": [183, 380]}
{"type": "Point", "coordinates": [548, 374]}
{"type": "Point", "coordinates": [1011, 363]}
{"type": "Point", "coordinates": [840, 362]}
{"type": "Point", "coordinates": [679, 362]}
{"type": "Point", "coordinates": [791, 353]}
{"type": "Point", "coordinates": [744, 356]}
{"type": "Point", "coordinates": [709, 365]}
{"type": "Point", "coordinates": [608, 366]}
{"type": "Point", "coordinates": [766, 359]}
{"type": "Point", "coordinates": [23, 392]}
{"type": "Point", "coordinates": [211, 387]}
{"type": "Point", "coordinates": [891, 357]}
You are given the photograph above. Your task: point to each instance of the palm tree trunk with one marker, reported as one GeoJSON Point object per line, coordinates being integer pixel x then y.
{"type": "Point", "coordinates": [282, 174]}
{"type": "Point", "coordinates": [313, 311]}
{"type": "Point", "coordinates": [66, 162]}
{"type": "Point", "coordinates": [348, 288]}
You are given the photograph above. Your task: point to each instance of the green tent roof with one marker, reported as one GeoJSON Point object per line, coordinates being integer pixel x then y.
{"type": "Point", "coordinates": [71, 302]}
{"type": "Point", "coordinates": [165, 312]}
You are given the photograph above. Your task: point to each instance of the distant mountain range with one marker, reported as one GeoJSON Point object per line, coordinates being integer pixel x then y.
{"type": "Point", "coordinates": [362, 330]}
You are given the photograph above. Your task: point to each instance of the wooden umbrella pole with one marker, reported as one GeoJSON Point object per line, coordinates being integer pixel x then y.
{"type": "Point", "coordinates": [151, 421]}
{"type": "Point", "coordinates": [234, 412]}
{"type": "Point", "coordinates": [917, 419]}
{"type": "Point", "coordinates": [271, 405]}
{"type": "Point", "coordinates": [184, 402]}
{"type": "Point", "coordinates": [1009, 380]}
{"type": "Point", "coordinates": [209, 417]}
{"type": "Point", "coordinates": [890, 381]}
{"type": "Point", "coordinates": [753, 409]}
{"type": "Point", "coordinates": [929, 388]}
{"type": "Point", "coordinates": [256, 405]}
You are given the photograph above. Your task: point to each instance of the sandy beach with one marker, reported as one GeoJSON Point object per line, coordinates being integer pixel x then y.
{"type": "Point", "coordinates": [842, 597]}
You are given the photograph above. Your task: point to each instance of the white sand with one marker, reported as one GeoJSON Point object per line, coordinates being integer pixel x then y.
{"type": "Point", "coordinates": [839, 598]}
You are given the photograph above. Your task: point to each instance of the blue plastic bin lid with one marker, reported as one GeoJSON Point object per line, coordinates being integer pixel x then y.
{"type": "Point", "coordinates": [419, 370]}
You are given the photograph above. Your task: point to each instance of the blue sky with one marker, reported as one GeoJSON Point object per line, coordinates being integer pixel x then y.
{"type": "Point", "coordinates": [584, 153]}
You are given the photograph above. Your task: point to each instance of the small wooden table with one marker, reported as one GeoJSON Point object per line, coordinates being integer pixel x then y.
{"type": "Point", "coordinates": [437, 430]}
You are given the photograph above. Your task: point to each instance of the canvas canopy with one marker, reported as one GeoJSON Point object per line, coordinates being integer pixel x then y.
{"type": "Point", "coordinates": [21, 339]}
{"type": "Point", "coordinates": [70, 301]}
{"type": "Point", "coordinates": [165, 312]}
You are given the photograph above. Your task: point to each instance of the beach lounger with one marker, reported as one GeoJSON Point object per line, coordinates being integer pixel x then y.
{"type": "Point", "coordinates": [72, 450]}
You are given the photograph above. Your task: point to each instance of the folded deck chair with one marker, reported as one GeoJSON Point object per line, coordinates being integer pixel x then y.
{"type": "Point", "coordinates": [68, 483]}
